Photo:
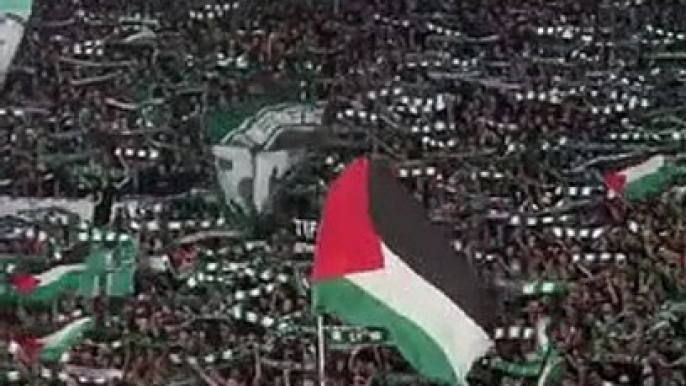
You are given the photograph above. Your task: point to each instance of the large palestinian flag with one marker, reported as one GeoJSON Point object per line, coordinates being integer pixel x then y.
{"type": "Point", "coordinates": [380, 262]}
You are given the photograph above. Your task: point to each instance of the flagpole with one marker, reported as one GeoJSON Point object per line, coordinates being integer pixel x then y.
{"type": "Point", "coordinates": [321, 351]}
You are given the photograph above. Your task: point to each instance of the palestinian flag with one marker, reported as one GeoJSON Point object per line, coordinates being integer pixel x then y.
{"type": "Point", "coordinates": [49, 284]}
{"type": "Point", "coordinates": [642, 180]}
{"type": "Point", "coordinates": [53, 347]}
{"type": "Point", "coordinates": [379, 262]}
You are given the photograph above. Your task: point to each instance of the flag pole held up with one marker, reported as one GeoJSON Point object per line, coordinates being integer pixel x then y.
{"type": "Point", "coordinates": [321, 352]}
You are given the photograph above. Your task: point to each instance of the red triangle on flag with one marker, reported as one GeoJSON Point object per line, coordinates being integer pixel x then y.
{"type": "Point", "coordinates": [615, 182]}
{"type": "Point", "coordinates": [30, 347]}
{"type": "Point", "coordinates": [25, 283]}
{"type": "Point", "coordinates": [347, 242]}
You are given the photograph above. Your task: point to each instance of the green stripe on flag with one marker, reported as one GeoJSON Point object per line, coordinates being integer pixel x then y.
{"type": "Point", "coordinates": [652, 184]}
{"type": "Point", "coordinates": [343, 298]}
{"type": "Point", "coordinates": [59, 343]}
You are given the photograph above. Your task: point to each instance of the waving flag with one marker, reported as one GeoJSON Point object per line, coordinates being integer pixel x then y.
{"type": "Point", "coordinates": [53, 347]}
{"type": "Point", "coordinates": [105, 271]}
{"type": "Point", "coordinates": [379, 262]}
{"type": "Point", "coordinates": [642, 180]}
{"type": "Point", "coordinates": [48, 285]}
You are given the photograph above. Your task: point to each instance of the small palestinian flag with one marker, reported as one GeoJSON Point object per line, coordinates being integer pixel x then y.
{"type": "Point", "coordinates": [184, 259]}
{"type": "Point", "coordinates": [379, 262]}
{"type": "Point", "coordinates": [49, 284]}
{"type": "Point", "coordinates": [642, 180]}
{"type": "Point", "coordinates": [53, 347]}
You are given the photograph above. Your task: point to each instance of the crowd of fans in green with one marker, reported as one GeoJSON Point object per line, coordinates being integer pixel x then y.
{"type": "Point", "coordinates": [501, 117]}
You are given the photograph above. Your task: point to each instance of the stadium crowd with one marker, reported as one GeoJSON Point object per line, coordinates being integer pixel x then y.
{"type": "Point", "coordinates": [503, 117]}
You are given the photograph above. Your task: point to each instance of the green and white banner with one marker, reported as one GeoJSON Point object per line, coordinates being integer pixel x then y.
{"type": "Point", "coordinates": [255, 155]}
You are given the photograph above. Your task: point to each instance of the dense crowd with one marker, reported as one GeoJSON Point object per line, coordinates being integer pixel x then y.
{"type": "Point", "coordinates": [503, 117]}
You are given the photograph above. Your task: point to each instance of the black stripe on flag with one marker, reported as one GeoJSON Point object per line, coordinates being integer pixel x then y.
{"type": "Point", "coordinates": [402, 224]}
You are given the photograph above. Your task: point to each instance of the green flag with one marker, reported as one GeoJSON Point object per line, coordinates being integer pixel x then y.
{"type": "Point", "coordinates": [110, 272]}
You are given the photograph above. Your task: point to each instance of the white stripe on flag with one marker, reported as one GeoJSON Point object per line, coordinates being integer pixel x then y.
{"type": "Point", "coordinates": [401, 289]}
{"type": "Point", "coordinates": [641, 170]}
{"type": "Point", "coordinates": [61, 335]}
{"type": "Point", "coordinates": [52, 275]}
